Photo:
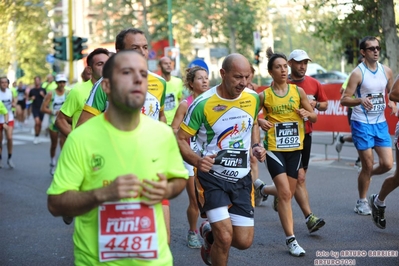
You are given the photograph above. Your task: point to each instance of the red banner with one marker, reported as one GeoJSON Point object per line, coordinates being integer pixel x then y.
{"type": "Point", "coordinates": [334, 119]}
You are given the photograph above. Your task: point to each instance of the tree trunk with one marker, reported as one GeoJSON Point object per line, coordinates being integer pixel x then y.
{"type": "Point", "coordinates": [391, 37]}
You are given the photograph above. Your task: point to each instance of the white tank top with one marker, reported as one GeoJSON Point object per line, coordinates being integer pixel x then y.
{"type": "Point", "coordinates": [6, 98]}
{"type": "Point", "coordinates": [373, 85]}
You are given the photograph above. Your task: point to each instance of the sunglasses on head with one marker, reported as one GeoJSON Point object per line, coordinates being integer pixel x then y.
{"type": "Point", "coordinates": [373, 48]}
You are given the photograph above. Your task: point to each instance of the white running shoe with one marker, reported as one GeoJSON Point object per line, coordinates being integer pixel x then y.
{"type": "Point", "coordinates": [10, 164]}
{"type": "Point", "coordinates": [339, 144]}
{"type": "Point", "coordinates": [36, 140]}
{"type": "Point", "coordinates": [295, 249]}
{"type": "Point", "coordinates": [362, 208]}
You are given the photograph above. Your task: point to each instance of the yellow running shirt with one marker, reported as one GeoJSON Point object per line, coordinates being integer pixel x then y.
{"type": "Point", "coordinates": [288, 131]}
{"type": "Point", "coordinates": [93, 156]}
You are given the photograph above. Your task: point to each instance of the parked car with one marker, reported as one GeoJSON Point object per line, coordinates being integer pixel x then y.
{"type": "Point", "coordinates": [330, 77]}
{"type": "Point", "coordinates": [314, 68]}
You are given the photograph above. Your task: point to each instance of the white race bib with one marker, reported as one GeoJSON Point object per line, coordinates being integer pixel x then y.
{"type": "Point", "coordinates": [127, 230]}
{"type": "Point", "coordinates": [287, 135]}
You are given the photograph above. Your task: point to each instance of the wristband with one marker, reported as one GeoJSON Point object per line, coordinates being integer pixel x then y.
{"type": "Point", "coordinates": [256, 145]}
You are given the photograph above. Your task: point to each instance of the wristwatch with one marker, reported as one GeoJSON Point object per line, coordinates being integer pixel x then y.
{"type": "Point", "coordinates": [317, 105]}
{"type": "Point", "coordinates": [6, 123]}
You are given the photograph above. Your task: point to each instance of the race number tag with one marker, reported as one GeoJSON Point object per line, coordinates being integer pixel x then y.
{"type": "Point", "coordinates": [287, 135]}
{"type": "Point", "coordinates": [169, 102]}
{"type": "Point", "coordinates": [127, 230]}
{"type": "Point", "coordinates": [230, 165]}
{"type": "Point", "coordinates": [378, 103]}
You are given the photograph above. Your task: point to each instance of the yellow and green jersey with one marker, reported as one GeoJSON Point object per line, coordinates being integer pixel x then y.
{"type": "Point", "coordinates": [288, 131]}
{"type": "Point", "coordinates": [224, 127]}
{"type": "Point", "coordinates": [76, 100]}
{"type": "Point", "coordinates": [93, 156]}
{"type": "Point", "coordinates": [97, 102]}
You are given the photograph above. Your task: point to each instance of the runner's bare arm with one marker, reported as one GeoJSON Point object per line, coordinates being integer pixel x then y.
{"type": "Point", "coordinates": [257, 149]}
{"type": "Point", "coordinates": [394, 93]}
{"type": "Point", "coordinates": [179, 116]}
{"type": "Point", "coordinates": [389, 75]}
{"type": "Point", "coordinates": [63, 123]}
{"type": "Point", "coordinates": [45, 104]}
{"type": "Point", "coordinates": [73, 203]}
{"type": "Point", "coordinates": [202, 163]}
{"type": "Point", "coordinates": [354, 80]}
{"type": "Point", "coordinates": [162, 116]}
{"type": "Point", "coordinates": [84, 116]}
{"type": "Point", "coordinates": [307, 109]}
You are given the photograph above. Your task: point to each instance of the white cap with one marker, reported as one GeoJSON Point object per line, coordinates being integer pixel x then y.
{"type": "Point", "coordinates": [299, 55]}
{"type": "Point", "coordinates": [60, 77]}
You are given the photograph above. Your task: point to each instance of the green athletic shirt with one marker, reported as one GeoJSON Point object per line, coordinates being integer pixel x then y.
{"type": "Point", "coordinates": [76, 100]}
{"type": "Point", "coordinates": [93, 156]}
{"type": "Point", "coordinates": [49, 86]}
{"type": "Point", "coordinates": [97, 102]}
{"type": "Point", "coordinates": [174, 92]}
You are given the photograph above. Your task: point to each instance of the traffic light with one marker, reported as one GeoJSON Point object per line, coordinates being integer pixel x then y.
{"type": "Point", "coordinates": [79, 46]}
{"type": "Point", "coordinates": [60, 48]}
{"type": "Point", "coordinates": [257, 56]}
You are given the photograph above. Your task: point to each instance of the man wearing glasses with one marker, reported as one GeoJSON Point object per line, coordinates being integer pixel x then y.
{"type": "Point", "coordinates": [369, 82]}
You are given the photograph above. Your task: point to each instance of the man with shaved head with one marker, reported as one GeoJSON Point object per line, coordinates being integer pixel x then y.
{"type": "Point", "coordinates": [106, 177]}
{"type": "Point", "coordinates": [174, 89]}
{"type": "Point", "coordinates": [223, 120]}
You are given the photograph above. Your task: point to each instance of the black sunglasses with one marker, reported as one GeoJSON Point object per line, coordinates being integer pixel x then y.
{"type": "Point", "coordinates": [373, 48]}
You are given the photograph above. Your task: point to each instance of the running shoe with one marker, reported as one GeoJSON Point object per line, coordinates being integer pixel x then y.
{"type": "Point", "coordinates": [67, 220]}
{"type": "Point", "coordinates": [294, 248]}
{"type": "Point", "coordinates": [259, 197]}
{"type": "Point", "coordinates": [192, 240]}
{"type": "Point", "coordinates": [314, 223]}
{"type": "Point", "coordinates": [275, 203]}
{"type": "Point", "coordinates": [358, 163]}
{"type": "Point", "coordinates": [205, 229]}
{"type": "Point", "coordinates": [52, 169]}
{"type": "Point", "coordinates": [340, 143]}
{"type": "Point", "coordinates": [362, 207]}
{"type": "Point", "coordinates": [10, 163]}
{"type": "Point", "coordinates": [36, 140]}
{"type": "Point", "coordinates": [377, 212]}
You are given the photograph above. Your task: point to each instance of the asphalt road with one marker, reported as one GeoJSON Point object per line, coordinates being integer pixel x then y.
{"type": "Point", "coordinates": [31, 236]}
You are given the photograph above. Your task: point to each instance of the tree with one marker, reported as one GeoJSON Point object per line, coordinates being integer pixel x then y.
{"type": "Point", "coordinates": [389, 29]}
{"type": "Point", "coordinates": [24, 30]}
{"type": "Point", "coordinates": [360, 18]}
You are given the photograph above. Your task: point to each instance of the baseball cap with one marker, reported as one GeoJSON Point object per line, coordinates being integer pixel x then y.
{"type": "Point", "coordinates": [299, 55]}
{"type": "Point", "coordinates": [60, 77]}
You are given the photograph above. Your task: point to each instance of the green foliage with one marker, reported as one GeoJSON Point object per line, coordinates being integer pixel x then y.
{"type": "Point", "coordinates": [24, 29]}
{"type": "Point", "coordinates": [362, 18]}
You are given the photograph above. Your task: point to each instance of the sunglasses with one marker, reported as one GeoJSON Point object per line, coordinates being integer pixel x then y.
{"type": "Point", "coordinates": [373, 48]}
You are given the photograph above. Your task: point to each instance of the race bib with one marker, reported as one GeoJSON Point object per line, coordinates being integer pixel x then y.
{"type": "Point", "coordinates": [287, 135]}
{"type": "Point", "coordinates": [230, 165]}
{"type": "Point", "coordinates": [378, 103]}
{"type": "Point", "coordinates": [170, 102]}
{"type": "Point", "coordinates": [127, 230]}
